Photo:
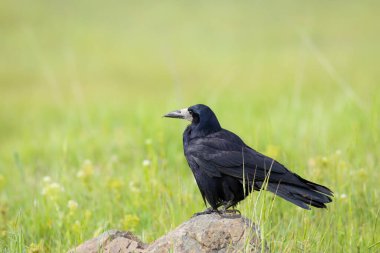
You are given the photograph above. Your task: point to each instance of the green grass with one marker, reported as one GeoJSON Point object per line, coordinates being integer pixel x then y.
{"type": "Point", "coordinates": [83, 87]}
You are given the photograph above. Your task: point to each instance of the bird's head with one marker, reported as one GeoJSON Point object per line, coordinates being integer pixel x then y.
{"type": "Point", "coordinates": [202, 118]}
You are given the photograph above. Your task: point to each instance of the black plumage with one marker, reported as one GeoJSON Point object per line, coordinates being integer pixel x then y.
{"type": "Point", "coordinates": [227, 170]}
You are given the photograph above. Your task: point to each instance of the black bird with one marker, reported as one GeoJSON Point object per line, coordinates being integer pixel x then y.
{"type": "Point", "coordinates": [227, 170]}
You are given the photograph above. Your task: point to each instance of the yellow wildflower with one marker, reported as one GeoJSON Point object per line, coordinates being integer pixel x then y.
{"type": "Point", "coordinates": [87, 214]}
{"type": "Point", "coordinates": [134, 187]}
{"type": "Point", "coordinates": [52, 190]}
{"type": "Point", "coordinates": [362, 173]}
{"type": "Point", "coordinates": [76, 227]}
{"type": "Point", "coordinates": [324, 161]}
{"type": "Point", "coordinates": [115, 184]}
{"type": "Point", "coordinates": [49, 223]}
{"type": "Point", "coordinates": [36, 247]}
{"type": "Point", "coordinates": [3, 233]}
{"type": "Point", "coordinates": [86, 171]}
{"type": "Point", "coordinates": [72, 205]}
{"type": "Point", "coordinates": [130, 222]}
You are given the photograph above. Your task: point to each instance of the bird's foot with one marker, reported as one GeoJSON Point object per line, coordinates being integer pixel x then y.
{"type": "Point", "coordinates": [229, 213]}
{"type": "Point", "coordinates": [207, 211]}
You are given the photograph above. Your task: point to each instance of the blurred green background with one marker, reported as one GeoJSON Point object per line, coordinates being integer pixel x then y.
{"type": "Point", "coordinates": [84, 85]}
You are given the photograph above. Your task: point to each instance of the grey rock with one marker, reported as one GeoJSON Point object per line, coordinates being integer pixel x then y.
{"type": "Point", "coordinates": [210, 233]}
{"type": "Point", "coordinates": [204, 233]}
{"type": "Point", "coordinates": [112, 241]}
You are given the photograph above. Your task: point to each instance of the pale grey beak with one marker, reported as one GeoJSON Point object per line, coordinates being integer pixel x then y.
{"type": "Point", "coordinates": [174, 114]}
{"type": "Point", "coordinates": [180, 114]}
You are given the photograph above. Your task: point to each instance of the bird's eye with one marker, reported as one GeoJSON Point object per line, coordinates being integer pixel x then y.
{"type": "Point", "coordinates": [191, 111]}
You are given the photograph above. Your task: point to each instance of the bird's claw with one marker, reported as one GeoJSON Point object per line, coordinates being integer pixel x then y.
{"type": "Point", "coordinates": [230, 211]}
{"type": "Point", "coordinates": [225, 213]}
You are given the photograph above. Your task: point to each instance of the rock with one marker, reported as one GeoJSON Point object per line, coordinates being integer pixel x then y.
{"type": "Point", "coordinates": [203, 233]}
{"type": "Point", "coordinates": [210, 233]}
{"type": "Point", "coordinates": [112, 241]}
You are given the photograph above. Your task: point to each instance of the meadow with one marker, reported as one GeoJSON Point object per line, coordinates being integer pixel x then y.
{"type": "Point", "coordinates": [84, 85]}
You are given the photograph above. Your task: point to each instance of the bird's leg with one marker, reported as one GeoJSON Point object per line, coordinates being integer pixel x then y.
{"type": "Point", "coordinates": [229, 211]}
{"type": "Point", "coordinates": [207, 211]}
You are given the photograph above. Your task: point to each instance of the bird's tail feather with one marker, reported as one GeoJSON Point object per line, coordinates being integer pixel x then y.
{"type": "Point", "coordinates": [303, 194]}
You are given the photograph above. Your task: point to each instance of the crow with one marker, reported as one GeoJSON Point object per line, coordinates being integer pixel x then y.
{"type": "Point", "coordinates": [227, 170]}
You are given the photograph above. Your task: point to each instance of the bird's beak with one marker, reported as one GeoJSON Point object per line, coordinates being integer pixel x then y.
{"type": "Point", "coordinates": [180, 114]}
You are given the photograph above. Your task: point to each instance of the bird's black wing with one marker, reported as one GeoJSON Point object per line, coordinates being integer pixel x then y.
{"type": "Point", "coordinates": [225, 153]}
